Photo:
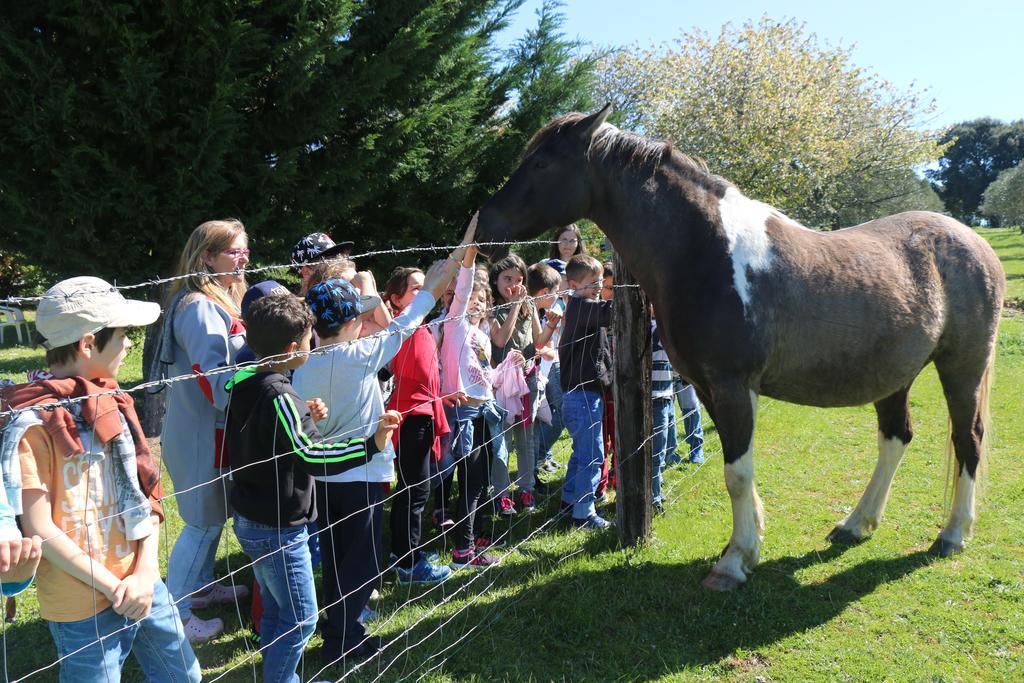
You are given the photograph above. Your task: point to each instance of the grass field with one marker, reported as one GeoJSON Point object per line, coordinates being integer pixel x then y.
{"type": "Point", "coordinates": [569, 606]}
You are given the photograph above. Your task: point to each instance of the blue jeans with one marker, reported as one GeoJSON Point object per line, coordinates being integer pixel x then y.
{"type": "Point", "coordinates": [158, 643]}
{"type": "Point", "coordinates": [190, 568]}
{"type": "Point", "coordinates": [583, 411]}
{"type": "Point", "coordinates": [664, 420]}
{"type": "Point", "coordinates": [693, 430]}
{"type": "Point", "coordinates": [547, 434]}
{"type": "Point", "coordinates": [284, 570]}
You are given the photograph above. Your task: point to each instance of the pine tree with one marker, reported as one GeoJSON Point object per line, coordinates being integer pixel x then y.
{"type": "Point", "coordinates": [123, 125]}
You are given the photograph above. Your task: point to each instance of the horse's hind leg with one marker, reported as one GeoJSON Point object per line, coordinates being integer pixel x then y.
{"type": "Point", "coordinates": [894, 434]}
{"type": "Point", "coordinates": [966, 387]}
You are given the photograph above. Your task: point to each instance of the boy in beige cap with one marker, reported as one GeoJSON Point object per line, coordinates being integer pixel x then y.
{"type": "Point", "coordinates": [90, 488]}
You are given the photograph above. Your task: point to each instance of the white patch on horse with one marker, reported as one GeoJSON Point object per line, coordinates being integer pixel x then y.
{"type": "Point", "coordinates": [961, 520]}
{"type": "Point", "coordinates": [745, 223]}
{"type": "Point", "coordinates": [744, 549]}
{"type": "Point", "coordinates": [868, 513]}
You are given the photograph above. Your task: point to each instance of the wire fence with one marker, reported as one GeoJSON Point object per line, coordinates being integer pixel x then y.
{"type": "Point", "coordinates": [401, 649]}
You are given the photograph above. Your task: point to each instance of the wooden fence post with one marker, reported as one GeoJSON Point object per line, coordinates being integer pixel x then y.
{"type": "Point", "coordinates": [633, 420]}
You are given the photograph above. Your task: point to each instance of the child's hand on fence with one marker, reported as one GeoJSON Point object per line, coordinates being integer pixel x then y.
{"type": "Point", "coordinates": [19, 558]}
{"type": "Point", "coordinates": [133, 597]}
{"type": "Point", "coordinates": [317, 409]}
{"type": "Point", "coordinates": [547, 353]}
{"type": "Point", "coordinates": [389, 422]}
{"type": "Point", "coordinates": [456, 399]}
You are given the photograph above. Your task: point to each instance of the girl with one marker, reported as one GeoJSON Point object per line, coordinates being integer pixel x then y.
{"type": "Point", "coordinates": [466, 355]}
{"type": "Point", "coordinates": [516, 328]}
{"type": "Point", "coordinates": [570, 243]}
{"type": "Point", "coordinates": [202, 330]}
{"type": "Point", "coordinates": [417, 395]}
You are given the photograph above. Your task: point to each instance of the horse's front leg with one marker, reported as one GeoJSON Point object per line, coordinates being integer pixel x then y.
{"type": "Point", "coordinates": [735, 412]}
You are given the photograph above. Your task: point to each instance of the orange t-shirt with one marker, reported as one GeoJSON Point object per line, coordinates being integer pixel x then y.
{"type": "Point", "coordinates": [81, 491]}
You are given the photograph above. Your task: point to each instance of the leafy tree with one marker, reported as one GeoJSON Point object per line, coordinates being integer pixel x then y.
{"type": "Point", "coordinates": [1004, 198]}
{"type": "Point", "coordinates": [124, 125]}
{"type": "Point", "coordinates": [791, 122]}
{"type": "Point", "coordinates": [977, 152]}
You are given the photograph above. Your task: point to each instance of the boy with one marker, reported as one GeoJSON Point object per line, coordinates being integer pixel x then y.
{"type": "Point", "coordinates": [543, 281]}
{"type": "Point", "coordinates": [351, 504]}
{"type": "Point", "coordinates": [585, 357]}
{"type": "Point", "coordinates": [89, 486]}
{"type": "Point", "coordinates": [664, 416]}
{"type": "Point", "coordinates": [275, 449]}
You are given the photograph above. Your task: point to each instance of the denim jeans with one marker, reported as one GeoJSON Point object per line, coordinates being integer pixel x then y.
{"type": "Point", "coordinates": [664, 420]}
{"type": "Point", "coordinates": [693, 430]}
{"type": "Point", "coordinates": [190, 567]}
{"type": "Point", "coordinates": [158, 643]}
{"type": "Point", "coordinates": [284, 571]}
{"type": "Point", "coordinates": [583, 411]}
{"type": "Point", "coordinates": [547, 434]}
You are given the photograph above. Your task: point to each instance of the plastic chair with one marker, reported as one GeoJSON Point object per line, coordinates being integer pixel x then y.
{"type": "Point", "coordinates": [13, 317]}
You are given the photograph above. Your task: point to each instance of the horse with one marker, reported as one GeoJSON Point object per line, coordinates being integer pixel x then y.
{"type": "Point", "coordinates": [750, 303]}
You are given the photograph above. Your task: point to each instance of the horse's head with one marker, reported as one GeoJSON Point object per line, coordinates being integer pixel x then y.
{"type": "Point", "coordinates": [548, 189]}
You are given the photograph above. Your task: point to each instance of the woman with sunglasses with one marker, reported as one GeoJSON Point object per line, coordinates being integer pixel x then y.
{"type": "Point", "coordinates": [202, 331]}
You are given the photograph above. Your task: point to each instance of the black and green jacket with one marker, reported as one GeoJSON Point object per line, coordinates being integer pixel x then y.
{"type": "Point", "coordinates": [275, 448]}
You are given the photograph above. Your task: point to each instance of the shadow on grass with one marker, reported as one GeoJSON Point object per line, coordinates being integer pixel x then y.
{"type": "Point", "coordinates": [638, 622]}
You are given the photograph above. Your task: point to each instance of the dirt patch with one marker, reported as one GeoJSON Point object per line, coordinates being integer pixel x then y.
{"type": "Point", "coordinates": [750, 664]}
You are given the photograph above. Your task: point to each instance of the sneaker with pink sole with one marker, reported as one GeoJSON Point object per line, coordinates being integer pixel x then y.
{"type": "Point", "coordinates": [472, 560]}
{"type": "Point", "coordinates": [219, 595]}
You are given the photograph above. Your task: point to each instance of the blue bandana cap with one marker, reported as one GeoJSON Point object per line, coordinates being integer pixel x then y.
{"type": "Point", "coordinates": [260, 290]}
{"type": "Point", "coordinates": [335, 302]}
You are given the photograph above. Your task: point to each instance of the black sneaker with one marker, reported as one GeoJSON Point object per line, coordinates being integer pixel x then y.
{"type": "Point", "coordinates": [367, 649]}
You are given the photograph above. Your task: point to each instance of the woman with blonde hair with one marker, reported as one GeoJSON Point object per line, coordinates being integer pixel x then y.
{"type": "Point", "coordinates": [202, 331]}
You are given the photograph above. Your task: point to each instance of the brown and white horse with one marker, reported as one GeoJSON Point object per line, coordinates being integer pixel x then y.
{"type": "Point", "coordinates": [750, 303]}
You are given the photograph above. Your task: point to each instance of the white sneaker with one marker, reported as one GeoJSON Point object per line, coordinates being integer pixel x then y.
{"type": "Point", "coordinates": [202, 630]}
{"type": "Point", "coordinates": [374, 596]}
{"type": "Point", "coordinates": [220, 595]}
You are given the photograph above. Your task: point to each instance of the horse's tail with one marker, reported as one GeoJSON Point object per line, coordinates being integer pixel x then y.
{"type": "Point", "coordinates": [984, 417]}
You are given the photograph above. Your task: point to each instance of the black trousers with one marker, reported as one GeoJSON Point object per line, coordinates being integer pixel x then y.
{"type": "Point", "coordinates": [349, 551]}
{"type": "Point", "coordinates": [415, 442]}
{"type": "Point", "coordinates": [473, 474]}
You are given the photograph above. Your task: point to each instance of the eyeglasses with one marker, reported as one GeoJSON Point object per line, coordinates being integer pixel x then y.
{"type": "Point", "coordinates": [568, 241]}
{"type": "Point", "coordinates": [236, 253]}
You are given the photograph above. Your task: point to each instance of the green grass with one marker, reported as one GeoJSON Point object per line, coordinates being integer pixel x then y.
{"type": "Point", "coordinates": [1009, 244]}
{"type": "Point", "coordinates": [569, 606]}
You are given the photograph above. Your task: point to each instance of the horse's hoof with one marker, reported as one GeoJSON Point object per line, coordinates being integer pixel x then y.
{"type": "Point", "coordinates": [720, 582]}
{"type": "Point", "coordinates": [943, 548]}
{"type": "Point", "coordinates": [844, 536]}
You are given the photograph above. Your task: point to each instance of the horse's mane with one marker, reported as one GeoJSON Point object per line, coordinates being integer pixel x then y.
{"type": "Point", "coordinates": [631, 149]}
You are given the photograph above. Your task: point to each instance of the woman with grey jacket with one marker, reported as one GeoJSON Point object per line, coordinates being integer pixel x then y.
{"type": "Point", "coordinates": [202, 331]}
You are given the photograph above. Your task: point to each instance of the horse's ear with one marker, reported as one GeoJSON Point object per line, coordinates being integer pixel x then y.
{"type": "Point", "coordinates": [591, 123]}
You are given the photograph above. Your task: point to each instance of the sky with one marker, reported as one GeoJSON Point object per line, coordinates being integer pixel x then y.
{"type": "Point", "coordinates": [967, 55]}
